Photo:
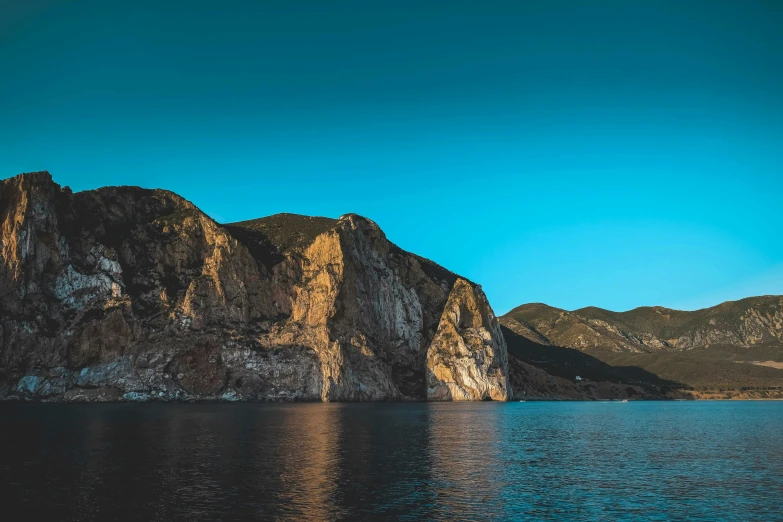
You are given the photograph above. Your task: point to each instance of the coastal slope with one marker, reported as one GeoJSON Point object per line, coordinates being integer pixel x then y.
{"type": "Point", "coordinates": [732, 350]}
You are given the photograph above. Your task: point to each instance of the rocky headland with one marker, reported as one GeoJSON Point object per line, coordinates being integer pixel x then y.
{"type": "Point", "coordinates": [124, 293]}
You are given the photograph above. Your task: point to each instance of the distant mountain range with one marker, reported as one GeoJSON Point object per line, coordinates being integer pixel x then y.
{"type": "Point", "coordinates": [731, 349]}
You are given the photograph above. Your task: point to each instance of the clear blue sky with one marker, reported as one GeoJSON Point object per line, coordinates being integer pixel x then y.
{"type": "Point", "coordinates": [609, 153]}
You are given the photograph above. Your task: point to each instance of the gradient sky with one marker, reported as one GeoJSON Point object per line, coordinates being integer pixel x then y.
{"type": "Point", "coordinates": [609, 153]}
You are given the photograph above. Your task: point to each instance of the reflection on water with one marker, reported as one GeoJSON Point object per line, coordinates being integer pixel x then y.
{"type": "Point", "coordinates": [466, 459]}
{"type": "Point", "coordinates": [644, 461]}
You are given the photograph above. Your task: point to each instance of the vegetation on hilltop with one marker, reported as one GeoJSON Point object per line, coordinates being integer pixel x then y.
{"type": "Point", "coordinates": [286, 231]}
{"type": "Point", "coordinates": [735, 345]}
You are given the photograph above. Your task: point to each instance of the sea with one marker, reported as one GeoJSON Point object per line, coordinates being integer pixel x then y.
{"type": "Point", "coordinates": [694, 460]}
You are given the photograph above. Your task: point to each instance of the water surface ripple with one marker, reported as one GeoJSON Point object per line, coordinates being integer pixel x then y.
{"type": "Point", "coordinates": [470, 461]}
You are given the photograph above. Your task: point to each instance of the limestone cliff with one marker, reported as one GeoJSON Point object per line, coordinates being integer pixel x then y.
{"type": "Point", "coordinates": [127, 293]}
{"type": "Point", "coordinates": [467, 328]}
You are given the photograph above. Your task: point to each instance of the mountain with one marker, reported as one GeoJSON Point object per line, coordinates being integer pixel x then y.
{"type": "Point", "coordinates": [124, 293]}
{"type": "Point", "coordinates": [729, 350]}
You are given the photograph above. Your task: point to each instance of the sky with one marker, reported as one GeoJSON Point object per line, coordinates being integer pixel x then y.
{"type": "Point", "coordinates": [606, 153]}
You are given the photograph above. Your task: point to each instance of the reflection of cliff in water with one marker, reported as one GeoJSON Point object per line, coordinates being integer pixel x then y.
{"type": "Point", "coordinates": [391, 461]}
{"type": "Point", "coordinates": [391, 483]}
{"type": "Point", "coordinates": [307, 456]}
{"type": "Point", "coordinates": [467, 461]}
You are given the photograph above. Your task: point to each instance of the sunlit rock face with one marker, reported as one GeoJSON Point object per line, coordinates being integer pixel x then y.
{"type": "Point", "coordinates": [124, 293]}
{"type": "Point", "coordinates": [467, 359]}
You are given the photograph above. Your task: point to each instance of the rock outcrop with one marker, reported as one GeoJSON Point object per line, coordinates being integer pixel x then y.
{"type": "Point", "coordinates": [124, 293]}
{"type": "Point", "coordinates": [467, 357]}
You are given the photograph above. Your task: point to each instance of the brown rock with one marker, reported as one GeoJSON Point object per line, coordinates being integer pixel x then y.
{"type": "Point", "coordinates": [467, 360]}
{"type": "Point", "coordinates": [138, 294]}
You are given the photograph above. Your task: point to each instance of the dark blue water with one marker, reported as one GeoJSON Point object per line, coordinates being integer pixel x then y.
{"type": "Point", "coordinates": [563, 461]}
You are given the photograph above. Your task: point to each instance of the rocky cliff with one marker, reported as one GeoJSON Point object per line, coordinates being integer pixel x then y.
{"type": "Point", "coordinates": [127, 293]}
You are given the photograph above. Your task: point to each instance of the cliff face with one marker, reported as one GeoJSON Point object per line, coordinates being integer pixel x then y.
{"type": "Point", "coordinates": [467, 358]}
{"type": "Point", "coordinates": [127, 293]}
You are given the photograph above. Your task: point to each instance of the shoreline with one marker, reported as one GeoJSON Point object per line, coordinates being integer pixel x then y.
{"type": "Point", "coordinates": [257, 401]}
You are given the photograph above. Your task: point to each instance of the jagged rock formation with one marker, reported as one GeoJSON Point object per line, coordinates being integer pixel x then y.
{"type": "Point", "coordinates": [128, 293]}
{"type": "Point", "coordinates": [467, 357]}
{"type": "Point", "coordinates": [737, 345]}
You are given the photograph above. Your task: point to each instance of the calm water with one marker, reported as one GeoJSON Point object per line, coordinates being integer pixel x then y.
{"type": "Point", "coordinates": [565, 461]}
